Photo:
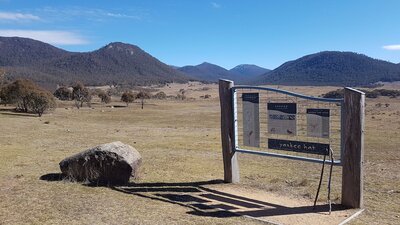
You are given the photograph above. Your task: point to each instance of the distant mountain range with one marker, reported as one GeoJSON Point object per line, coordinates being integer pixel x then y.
{"type": "Point", "coordinates": [248, 70]}
{"type": "Point", "coordinates": [210, 72]}
{"type": "Point", "coordinates": [120, 63]}
{"type": "Point", "coordinates": [331, 68]}
{"type": "Point", "coordinates": [115, 63]}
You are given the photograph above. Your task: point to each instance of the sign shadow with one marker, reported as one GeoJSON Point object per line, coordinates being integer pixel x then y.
{"type": "Point", "coordinates": [203, 200]}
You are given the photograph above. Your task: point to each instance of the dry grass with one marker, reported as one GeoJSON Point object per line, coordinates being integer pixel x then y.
{"type": "Point", "coordinates": [179, 142]}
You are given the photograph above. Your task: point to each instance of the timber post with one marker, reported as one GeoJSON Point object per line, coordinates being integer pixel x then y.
{"type": "Point", "coordinates": [231, 166]}
{"type": "Point", "coordinates": [353, 158]}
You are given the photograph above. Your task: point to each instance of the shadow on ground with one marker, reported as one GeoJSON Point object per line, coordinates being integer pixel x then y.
{"type": "Point", "coordinates": [203, 200]}
{"type": "Point", "coordinates": [53, 177]}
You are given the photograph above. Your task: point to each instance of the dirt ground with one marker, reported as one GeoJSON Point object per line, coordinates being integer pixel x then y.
{"type": "Point", "coordinates": [180, 145]}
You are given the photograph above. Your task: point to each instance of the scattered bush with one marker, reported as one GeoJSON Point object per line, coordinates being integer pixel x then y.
{"type": "Point", "coordinates": [28, 97]}
{"type": "Point", "coordinates": [104, 97]}
{"type": "Point", "coordinates": [334, 94]}
{"type": "Point", "coordinates": [41, 101]}
{"type": "Point", "coordinates": [205, 96]}
{"type": "Point", "coordinates": [388, 93]}
{"type": "Point", "coordinates": [160, 95]}
{"type": "Point", "coordinates": [142, 95]}
{"type": "Point", "coordinates": [63, 93]}
{"type": "Point", "coordinates": [128, 97]}
{"type": "Point", "coordinates": [81, 94]}
{"type": "Point", "coordinates": [369, 94]}
{"type": "Point", "coordinates": [180, 97]}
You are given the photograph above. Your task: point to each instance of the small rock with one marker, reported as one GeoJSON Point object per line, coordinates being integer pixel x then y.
{"type": "Point", "coordinates": [18, 176]}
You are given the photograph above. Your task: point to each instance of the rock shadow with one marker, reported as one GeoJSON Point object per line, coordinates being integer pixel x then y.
{"type": "Point", "coordinates": [53, 177]}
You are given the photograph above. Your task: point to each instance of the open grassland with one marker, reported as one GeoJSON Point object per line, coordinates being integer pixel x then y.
{"type": "Point", "coordinates": [180, 145]}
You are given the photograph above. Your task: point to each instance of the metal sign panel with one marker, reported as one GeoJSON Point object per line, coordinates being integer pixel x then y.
{"type": "Point", "coordinates": [251, 124]}
{"type": "Point", "coordinates": [282, 118]}
{"type": "Point", "coordinates": [318, 123]}
{"type": "Point", "coordinates": [299, 146]}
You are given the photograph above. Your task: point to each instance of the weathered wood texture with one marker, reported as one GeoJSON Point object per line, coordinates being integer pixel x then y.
{"type": "Point", "coordinates": [231, 166]}
{"type": "Point", "coordinates": [251, 124]}
{"type": "Point", "coordinates": [353, 158]}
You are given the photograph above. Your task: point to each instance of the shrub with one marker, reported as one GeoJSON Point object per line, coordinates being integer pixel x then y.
{"type": "Point", "coordinates": [41, 101]}
{"type": "Point", "coordinates": [81, 94]}
{"type": "Point", "coordinates": [105, 98]}
{"type": "Point", "coordinates": [160, 95]}
{"type": "Point", "coordinates": [334, 94]}
{"type": "Point", "coordinates": [18, 93]}
{"type": "Point", "coordinates": [63, 93]}
{"type": "Point", "coordinates": [371, 94]}
{"type": "Point", "coordinates": [142, 95]}
{"type": "Point", "coordinates": [180, 97]}
{"type": "Point", "coordinates": [28, 97]}
{"type": "Point", "coordinates": [128, 97]}
{"type": "Point", "coordinates": [388, 93]}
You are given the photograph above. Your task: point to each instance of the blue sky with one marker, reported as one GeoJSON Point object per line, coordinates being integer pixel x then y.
{"type": "Point", "coordinates": [188, 32]}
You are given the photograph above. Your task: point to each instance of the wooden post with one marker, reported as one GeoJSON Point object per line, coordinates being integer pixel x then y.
{"type": "Point", "coordinates": [353, 155]}
{"type": "Point", "coordinates": [231, 166]}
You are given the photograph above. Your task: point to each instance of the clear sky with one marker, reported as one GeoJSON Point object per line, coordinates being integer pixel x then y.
{"type": "Point", "coordinates": [227, 33]}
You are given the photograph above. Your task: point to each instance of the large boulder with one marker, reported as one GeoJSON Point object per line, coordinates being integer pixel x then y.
{"type": "Point", "coordinates": [112, 163]}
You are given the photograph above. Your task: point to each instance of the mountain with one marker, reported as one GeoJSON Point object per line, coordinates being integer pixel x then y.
{"type": "Point", "coordinates": [207, 72]}
{"type": "Point", "coordinates": [331, 68]}
{"type": "Point", "coordinates": [211, 73]}
{"type": "Point", "coordinates": [22, 52]}
{"type": "Point", "coordinates": [115, 63]}
{"type": "Point", "coordinates": [248, 70]}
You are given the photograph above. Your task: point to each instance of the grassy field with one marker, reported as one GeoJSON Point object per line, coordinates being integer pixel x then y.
{"type": "Point", "coordinates": [180, 145]}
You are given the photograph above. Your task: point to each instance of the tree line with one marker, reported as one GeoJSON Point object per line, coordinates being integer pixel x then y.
{"type": "Point", "coordinates": [28, 97]}
{"type": "Point", "coordinates": [80, 94]}
{"type": "Point", "coordinates": [339, 93]}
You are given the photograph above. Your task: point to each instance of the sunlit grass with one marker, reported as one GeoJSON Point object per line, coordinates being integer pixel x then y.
{"type": "Point", "coordinates": [179, 142]}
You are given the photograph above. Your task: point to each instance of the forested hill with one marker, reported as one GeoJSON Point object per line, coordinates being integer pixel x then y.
{"type": "Point", "coordinates": [120, 63]}
{"type": "Point", "coordinates": [207, 72]}
{"type": "Point", "coordinates": [114, 63]}
{"type": "Point", "coordinates": [331, 68]}
{"type": "Point", "coordinates": [210, 72]}
{"type": "Point", "coordinates": [248, 70]}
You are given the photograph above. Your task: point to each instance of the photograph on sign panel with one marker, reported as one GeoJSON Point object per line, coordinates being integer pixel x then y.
{"type": "Point", "coordinates": [282, 118]}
